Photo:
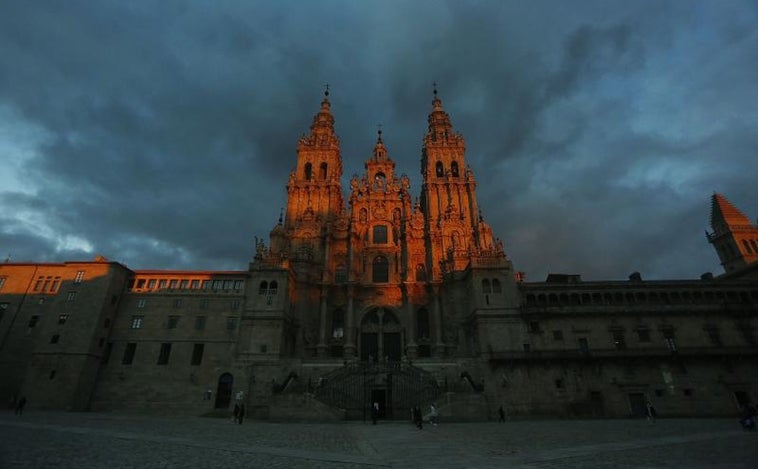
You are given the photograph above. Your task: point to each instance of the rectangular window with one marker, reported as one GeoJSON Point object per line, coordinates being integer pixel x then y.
{"type": "Point", "coordinates": [197, 354]}
{"type": "Point", "coordinates": [200, 323]}
{"type": "Point", "coordinates": [46, 285]}
{"type": "Point", "coordinates": [165, 353]}
{"type": "Point", "coordinates": [38, 285]}
{"type": "Point", "coordinates": [235, 305]}
{"type": "Point", "coordinates": [618, 339]}
{"type": "Point", "coordinates": [527, 347]}
{"type": "Point", "coordinates": [559, 383]}
{"type": "Point", "coordinates": [54, 286]}
{"type": "Point", "coordinates": [183, 285]}
{"type": "Point", "coordinates": [173, 284]}
{"type": "Point", "coordinates": [218, 284]}
{"type": "Point", "coordinates": [79, 277]}
{"type": "Point", "coordinates": [228, 284]}
{"type": "Point", "coordinates": [643, 335]}
{"type": "Point", "coordinates": [141, 303]}
{"type": "Point", "coordinates": [162, 283]}
{"type": "Point", "coordinates": [195, 284]}
{"type": "Point", "coordinates": [2, 282]}
{"type": "Point", "coordinates": [71, 296]}
{"type": "Point", "coordinates": [231, 323]}
{"type": "Point", "coordinates": [54, 339]}
{"type": "Point", "coordinates": [206, 284]}
{"type": "Point", "coordinates": [107, 352]}
{"type": "Point", "coordinates": [131, 347]}
{"type": "Point", "coordinates": [33, 321]}
{"type": "Point", "coordinates": [668, 336]}
{"type": "Point", "coordinates": [141, 283]}
{"type": "Point", "coordinates": [137, 322]}
{"type": "Point", "coordinates": [534, 327]}
{"type": "Point", "coordinates": [173, 322]}
{"type": "Point", "coordinates": [584, 346]}
{"type": "Point", "coordinates": [62, 318]}
{"type": "Point", "coordinates": [151, 284]}
{"type": "Point", "coordinates": [177, 303]}
{"type": "Point", "coordinates": [557, 335]}
{"type": "Point", "coordinates": [238, 285]}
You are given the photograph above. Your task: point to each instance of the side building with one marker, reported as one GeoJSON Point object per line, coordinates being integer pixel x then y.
{"type": "Point", "coordinates": [380, 296]}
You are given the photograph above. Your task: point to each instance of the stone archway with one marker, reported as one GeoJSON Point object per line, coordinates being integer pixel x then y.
{"type": "Point", "coordinates": [381, 335]}
{"type": "Point", "coordinates": [224, 391]}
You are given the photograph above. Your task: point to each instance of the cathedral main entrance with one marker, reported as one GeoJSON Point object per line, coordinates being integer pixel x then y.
{"type": "Point", "coordinates": [381, 336]}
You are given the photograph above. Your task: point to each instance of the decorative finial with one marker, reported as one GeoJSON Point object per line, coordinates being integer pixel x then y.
{"type": "Point", "coordinates": [379, 132]}
{"type": "Point", "coordinates": [281, 215]}
{"type": "Point", "coordinates": [326, 89]}
{"type": "Point", "coordinates": [435, 88]}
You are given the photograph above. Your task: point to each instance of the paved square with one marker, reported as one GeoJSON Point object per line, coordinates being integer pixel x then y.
{"type": "Point", "coordinates": [105, 440]}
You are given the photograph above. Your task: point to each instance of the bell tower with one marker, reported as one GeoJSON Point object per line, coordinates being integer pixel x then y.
{"type": "Point", "coordinates": [734, 237]}
{"type": "Point", "coordinates": [314, 190]}
{"type": "Point", "coordinates": [448, 196]}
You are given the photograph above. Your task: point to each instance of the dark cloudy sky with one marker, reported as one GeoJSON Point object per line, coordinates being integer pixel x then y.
{"type": "Point", "coordinates": [161, 134]}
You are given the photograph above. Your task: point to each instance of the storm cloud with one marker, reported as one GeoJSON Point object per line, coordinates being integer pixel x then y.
{"type": "Point", "coordinates": [161, 134]}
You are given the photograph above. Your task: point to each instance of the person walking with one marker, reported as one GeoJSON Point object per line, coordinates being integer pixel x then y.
{"type": "Point", "coordinates": [501, 414]}
{"type": "Point", "coordinates": [650, 412]}
{"type": "Point", "coordinates": [374, 412]}
{"type": "Point", "coordinates": [241, 414]}
{"type": "Point", "coordinates": [236, 415]}
{"type": "Point", "coordinates": [418, 418]}
{"type": "Point", "coordinates": [20, 405]}
{"type": "Point", "coordinates": [434, 416]}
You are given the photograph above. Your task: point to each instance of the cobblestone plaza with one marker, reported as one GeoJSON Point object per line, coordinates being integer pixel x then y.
{"type": "Point", "coordinates": [100, 440]}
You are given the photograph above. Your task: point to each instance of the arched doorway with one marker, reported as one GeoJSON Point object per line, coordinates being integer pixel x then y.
{"type": "Point", "coordinates": [224, 391]}
{"type": "Point", "coordinates": [381, 336]}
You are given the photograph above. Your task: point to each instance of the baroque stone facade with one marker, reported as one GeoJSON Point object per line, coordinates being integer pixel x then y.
{"type": "Point", "coordinates": [388, 298]}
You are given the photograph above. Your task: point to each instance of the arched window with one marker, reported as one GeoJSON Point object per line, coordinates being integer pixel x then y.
{"type": "Point", "coordinates": [422, 324]}
{"type": "Point", "coordinates": [363, 217]}
{"type": "Point", "coordinates": [308, 171]}
{"type": "Point", "coordinates": [747, 246]}
{"type": "Point", "coordinates": [340, 275]}
{"type": "Point", "coordinates": [454, 169]}
{"type": "Point", "coordinates": [272, 287]}
{"type": "Point", "coordinates": [381, 270]}
{"type": "Point", "coordinates": [420, 273]}
{"type": "Point", "coordinates": [263, 289]}
{"type": "Point", "coordinates": [380, 181]}
{"type": "Point", "coordinates": [338, 324]}
{"type": "Point", "coordinates": [380, 234]}
{"type": "Point", "coordinates": [322, 171]}
{"type": "Point", "coordinates": [439, 169]}
{"type": "Point", "coordinates": [486, 288]}
{"type": "Point", "coordinates": [496, 286]}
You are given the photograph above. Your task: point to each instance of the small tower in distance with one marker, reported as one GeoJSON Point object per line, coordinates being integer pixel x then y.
{"type": "Point", "coordinates": [734, 237]}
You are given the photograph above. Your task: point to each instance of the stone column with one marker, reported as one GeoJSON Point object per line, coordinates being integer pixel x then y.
{"type": "Point", "coordinates": [321, 347]}
{"type": "Point", "coordinates": [350, 348]}
{"type": "Point", "coordinates": [412, 348]}
{"type": "Point", "coordinates": [439, 344]}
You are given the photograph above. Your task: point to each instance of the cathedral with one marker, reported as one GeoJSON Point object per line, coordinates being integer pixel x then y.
{"type": "Point", "coordinates": [383, 296]}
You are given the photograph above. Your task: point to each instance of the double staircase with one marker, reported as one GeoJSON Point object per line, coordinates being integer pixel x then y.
{"type": "Point", "coordinates": [395, 386]}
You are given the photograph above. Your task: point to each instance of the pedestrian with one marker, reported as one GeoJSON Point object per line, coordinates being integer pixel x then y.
{"type": "Point", "coordinates": [650, 412]}
{"type": "Point", "coordinates": [434, 416]}
{"type": "Point", "coordinates": [20, 405]}
{"type": "Point", "coordinates": [747, 419]}
{"type": "Point", "coordinates": [501, 413]}
{"type": "Point", "coordinates": [418, 418]}
{"type": "Point", "coordinates": [374, 413]}
{"type": "Point", "coordinates": [235, 417]}
{"type": "Point", "coordinates": [241, 415]}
